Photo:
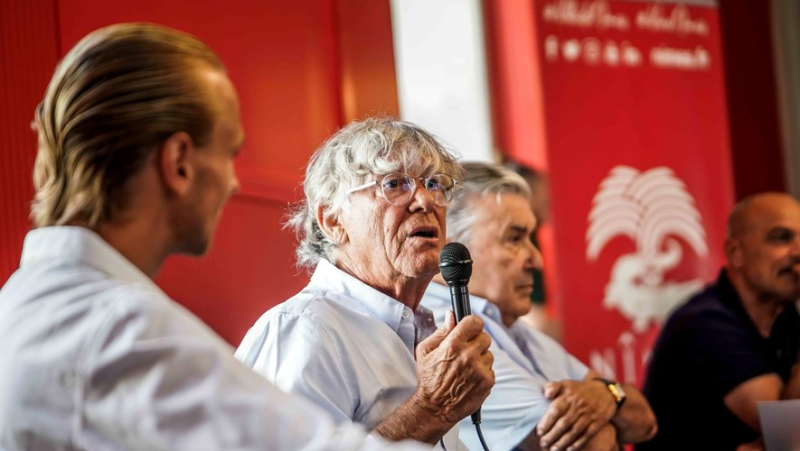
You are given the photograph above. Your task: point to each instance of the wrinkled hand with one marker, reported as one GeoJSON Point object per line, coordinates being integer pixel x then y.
{"type": "Point", "coordinates": [579, 410]}
{"type": "Point", "coordinates": [454, 369]}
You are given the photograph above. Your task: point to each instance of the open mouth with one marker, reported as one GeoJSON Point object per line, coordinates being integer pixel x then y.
{"type": "Point", "coordinates": [424, 232]}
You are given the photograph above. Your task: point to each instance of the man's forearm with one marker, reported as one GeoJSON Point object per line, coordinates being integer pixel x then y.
{"type": "Point", "coordinates": [792, 388]}
{"type": "Point", "coordinates": [635, 421]}
{"type": "Point", "coordinates": [414, 420]}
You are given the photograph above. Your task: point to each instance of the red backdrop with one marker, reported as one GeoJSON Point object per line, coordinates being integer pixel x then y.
{"type": "Point", "coordinates": [303, 68]}
{"type": "Point", "coordinates": [632, 90]}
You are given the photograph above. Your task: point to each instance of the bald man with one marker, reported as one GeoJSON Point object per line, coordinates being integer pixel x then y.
{"type": "Point", "coordinates": [736, 343]}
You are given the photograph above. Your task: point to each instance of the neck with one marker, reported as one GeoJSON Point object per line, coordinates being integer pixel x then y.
{"type": "Point", "coordinates": [145, 243]}
{"type": "Point", "coordinates": [508, 320]}
{"type": "Point", "coordinates": [408, 290]}
{"type": "Point", "coordinates": [762, 310]}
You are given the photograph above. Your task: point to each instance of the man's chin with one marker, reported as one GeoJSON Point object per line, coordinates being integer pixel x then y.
{"type": "Point", "coordinates": [194, 248]}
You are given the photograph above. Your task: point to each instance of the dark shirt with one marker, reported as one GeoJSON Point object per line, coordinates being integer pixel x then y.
{"type": "Point", "coordinates": [708, 347]}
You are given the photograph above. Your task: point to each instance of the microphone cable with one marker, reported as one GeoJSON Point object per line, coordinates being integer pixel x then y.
{"type": "Point", "coordinates": [476, 420]}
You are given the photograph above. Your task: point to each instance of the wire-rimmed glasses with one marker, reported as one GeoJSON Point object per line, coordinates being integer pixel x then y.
{"type": "Point", "coordinates": [399, 188]}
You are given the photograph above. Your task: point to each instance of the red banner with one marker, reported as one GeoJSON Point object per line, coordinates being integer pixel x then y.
{"type": "Point", "coordinates": [638, 153]}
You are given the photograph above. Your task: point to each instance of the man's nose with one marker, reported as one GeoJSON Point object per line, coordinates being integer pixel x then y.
{"type": "Point", "coordinates": [235, 185]}
{"type": "Point", "coordinates": [795, 247]}
{"type": "Point", "coordinates": [422, 197]}
{"type": "Point", "coordinates": [534, 256]}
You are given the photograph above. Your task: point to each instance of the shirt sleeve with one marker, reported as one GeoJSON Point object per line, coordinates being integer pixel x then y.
{"type": "Point", "coordinates": [553, 359]}
{"type": "Point", "coordinates": [296, 352]}
{"type": "Point", "coordinates": [157, 378]}
{"type": "Point", "coordinates": [513, 408]}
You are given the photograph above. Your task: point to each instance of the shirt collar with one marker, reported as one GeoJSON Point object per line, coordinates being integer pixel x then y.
{"type": "Point", "coordinates": [386, 308]}
{"type": "Point", "coordinates": [84, 246]}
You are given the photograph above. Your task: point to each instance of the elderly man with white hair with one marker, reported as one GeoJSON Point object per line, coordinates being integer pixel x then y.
{"type": "Point", "coordinates": [543, 396]}
{"type": "Point", "coordinates": [373, 224]}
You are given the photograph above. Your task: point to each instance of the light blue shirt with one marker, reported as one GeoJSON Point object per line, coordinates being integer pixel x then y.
{"type": "Point", "coordinates": [344, 345]}
{"type": "Point", "coordinates": [524, 360]}
{"type": "Point", "coordinates": [93, 355]}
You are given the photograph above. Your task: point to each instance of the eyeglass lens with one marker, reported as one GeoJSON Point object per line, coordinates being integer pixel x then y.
{"type": "Point", "coordinates": [399, 188]}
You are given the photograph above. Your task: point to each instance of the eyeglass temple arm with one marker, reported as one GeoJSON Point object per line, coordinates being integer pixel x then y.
{"type": "Point", "coordinates": [360, 187]}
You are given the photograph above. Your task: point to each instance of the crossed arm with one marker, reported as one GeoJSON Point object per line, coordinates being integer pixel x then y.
{"type": "Point", "coordinates": [743, 400]}
{"type": "Point", "coordinates": [583, 408]}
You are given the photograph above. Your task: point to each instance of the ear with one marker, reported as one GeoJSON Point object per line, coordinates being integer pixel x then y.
{"type": "Point", "coordinates": [733, 252]}
{"type": "Point", "coordinates": [330, 226]}
{"type": "Point", "coordinates": [175, 162]}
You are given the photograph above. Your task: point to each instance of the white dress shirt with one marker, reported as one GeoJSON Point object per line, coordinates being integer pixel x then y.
{"type": "Point", "coordinates": [343, 344]}
{"type": "Point", "coordinates": [524, 360]}
{"type": "Point", "coordinates": [93, 355]}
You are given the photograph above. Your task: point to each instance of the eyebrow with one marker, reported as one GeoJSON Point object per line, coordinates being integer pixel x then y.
{"type": "Point", "coordinates": [781, 229]}
{"type": "Point", "coordinates": [518, 229]}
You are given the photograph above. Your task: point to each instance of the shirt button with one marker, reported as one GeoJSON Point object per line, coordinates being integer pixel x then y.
{"type": "Point", "coordinates": [406, 313]}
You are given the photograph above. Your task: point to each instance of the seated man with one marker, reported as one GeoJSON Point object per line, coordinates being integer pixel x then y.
{"type": "Point", "coordinates": [492, 216]}
{"type": "Point", "coordinates": [736, 343]}
{"type": "Point", "coordinates": [137, 135]}
{"type": "Point", "coordinates": [373, 224]}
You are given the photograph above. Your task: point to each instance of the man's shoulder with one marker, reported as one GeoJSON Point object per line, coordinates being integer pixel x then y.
{"type": "Point", "coordinates": [80, 290]}
{"type": "Point", "coordinates": [705, 307]}
{"type": "Point", "coordinates": [311, 310]}
{"type": "Point", "coordinates": [312, 305]}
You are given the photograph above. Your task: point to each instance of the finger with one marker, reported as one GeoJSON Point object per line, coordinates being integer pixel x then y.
{"type": "Point", "coordinates": [588, 434]}
{"type": "Point", "coordinates": [449, 321]}
{"type": "Point", "coordinates": [562, 426]}
{"type": "Point", "coordinates": [552, 389]}
{"type": "Point", "coordinates": [474, 351]}
{"type": "Point", "coordinates": [480, 343]}
{"type": "Point", "coordinates": [487, 358]}
{"type": "Point", "coordinates": [467, 329]}
{"type": "Point", "coordinates": [576, 432]}
{"type": "Point", "coordinates": [556, 410]}
{"type": "Point", "coordinates": [433, 341]}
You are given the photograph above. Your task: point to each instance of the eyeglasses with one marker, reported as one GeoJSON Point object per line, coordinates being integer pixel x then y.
{"type": "Point", "coordinates": [398, 188]}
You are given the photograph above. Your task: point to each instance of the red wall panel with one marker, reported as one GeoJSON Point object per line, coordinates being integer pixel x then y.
{"type": "Point", "coordinates": [28, 54]}
{"type": "Point", "coordinates": [752, 99]}
{"type": "Point", "coordinates": [368, 81]}
{"type": "Point", "coordinates": [294, 65]}
{"type": "Point", "coordinates": [249, 268]}
{"type": "Point", "coordinates": [281, 57]}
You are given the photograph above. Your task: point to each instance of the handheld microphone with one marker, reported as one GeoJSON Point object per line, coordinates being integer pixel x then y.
{"type": "Point", "coordinates": [455, 263]}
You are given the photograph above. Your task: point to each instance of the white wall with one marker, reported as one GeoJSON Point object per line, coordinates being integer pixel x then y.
{"type": "Point", "coordinates": [441, 72]}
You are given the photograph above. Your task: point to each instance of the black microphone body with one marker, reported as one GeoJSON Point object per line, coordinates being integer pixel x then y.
{"type": "Point", "coordinates": [455, 264]}
{"type": "Point", "coordinates": [459, 298]}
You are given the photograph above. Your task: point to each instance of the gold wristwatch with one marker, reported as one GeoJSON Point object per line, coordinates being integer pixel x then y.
{"type": "Point", "coordinates": [616, 390]}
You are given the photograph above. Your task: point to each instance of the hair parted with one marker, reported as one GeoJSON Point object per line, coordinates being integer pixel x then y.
{"type": "Point", "coordinates": [359, 151]}
{"type": "Point", "coordinates": [480, 179]}
{"type": "Point", "coordinates": [119, 93]}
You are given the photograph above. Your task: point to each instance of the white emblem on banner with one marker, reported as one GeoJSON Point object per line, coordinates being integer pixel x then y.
{"type": "Point", "coordinates": [651, 208]}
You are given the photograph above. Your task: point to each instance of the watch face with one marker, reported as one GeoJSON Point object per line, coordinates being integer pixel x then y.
{"type": "Point", "coordinates": [617, 391]}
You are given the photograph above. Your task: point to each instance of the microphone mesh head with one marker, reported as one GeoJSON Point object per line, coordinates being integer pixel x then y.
{"type": "Point", "coordinates": [455, 262]}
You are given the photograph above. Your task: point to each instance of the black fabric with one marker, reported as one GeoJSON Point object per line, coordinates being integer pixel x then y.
{"type": "Point", "coordinates": [708, 347]}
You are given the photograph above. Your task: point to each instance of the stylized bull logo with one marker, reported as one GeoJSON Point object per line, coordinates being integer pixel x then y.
{"type": "Point", "coordinates": [648, 208]}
